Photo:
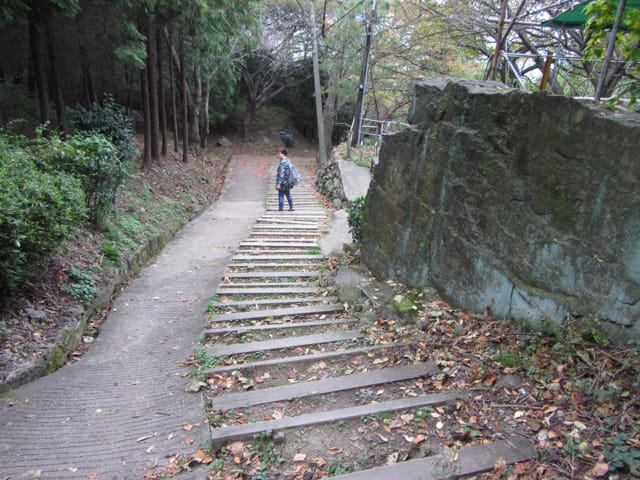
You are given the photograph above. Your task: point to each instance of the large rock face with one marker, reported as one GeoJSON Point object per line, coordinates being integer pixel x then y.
{"type": "Point", "coordinates": [526, 203]}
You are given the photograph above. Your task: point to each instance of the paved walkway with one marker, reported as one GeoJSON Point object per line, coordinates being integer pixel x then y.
{"type": "Point", "coordinates": [122, 409]}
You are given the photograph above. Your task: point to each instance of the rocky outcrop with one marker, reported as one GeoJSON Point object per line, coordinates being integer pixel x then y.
{"type": "Point", "coordinates": [329, 182]}
{"type": "Point", "coordinates": [524, 203]}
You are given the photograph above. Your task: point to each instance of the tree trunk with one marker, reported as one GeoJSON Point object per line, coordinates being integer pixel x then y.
{"type": "Point", "coordinates": [55, 82]}
{"type": "Point", "coordinates": [185, 104]}
{"type": "Point", "coordinates": [161, 94]}
{"type": "Point", "coordinates": [204, 136]}
{"type": "Point", "coordinates": [34, 41]}
{"type": "Point", "coordinates": [248, 117]}
{"type": "Point", "coordinates": [194, 135]}
{"type": "Point", "coordinates": [90, 91]}
{"type": "Point", "coordinates": [329, 119]}
{"type": "Point", "coordinates": [146, 157]}
{"type": "Point", "coordinates": [153, 93]}
{"type": "Point", "coordinates": [172, 81]}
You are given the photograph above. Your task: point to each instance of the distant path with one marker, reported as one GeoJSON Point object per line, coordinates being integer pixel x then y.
{"type": "Point", "coordinates": [121, 409]}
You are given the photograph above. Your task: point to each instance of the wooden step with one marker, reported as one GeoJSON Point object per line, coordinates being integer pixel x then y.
{"type": "Point", "coordinates": [275, 256]}
{"type": "Point", "coordinates": [327, 385]}
{"type": "Point", "coordinates": [277, 312]}
{"type": "Point", "coordinates": [310, 358]}
{"type": "Point", "coordinates": [279, 221]}
{"type": "Point", "coordinates": [273, 251]}
{"type": "Point", "coordinates": [279, 244]}
{"type": "Point", "coordinates": [281, 233]}
{"type": "Point", "coordinates": [459, 463]}
{"type": "Point", "coordinates": [280, 273]}
{"type": "Point", "coordinates": [272, 265]}
{"type": "Point", "coordinates": [274, 326]}
{"type": "Point", "coordinates": [265, 291]}
{"type": "Point", "coordinates": [281, 343]}
{"type": "Point", "coordinates": [291, 227]}
{"type": "Point", "coordinates": [264, 284]}
{"type": "Point", "coordinates": [221, 436]}
{"type": "Point", "coordinates": [272, 301]}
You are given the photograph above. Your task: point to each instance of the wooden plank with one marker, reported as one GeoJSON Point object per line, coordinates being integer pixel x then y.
{"type": "Point", "coordinates": [310, 358]}
{"type": "Point", "coordinates": [266, 291]}
{"type": "Point", "coordinates": [210, 332]}
{"type": "Point", "coordinates": [272, 265]}
{"type": "Point", "coordinates": [281, 343]}
{"type": "Point", "coordinates": [327, 385]}
{"type": "Point", "coordinates": [263, 284]}
{"type": "Point", "coordinates": [292, 227]}
{"type": "Point", "coordinates": [275, 256]}
{"type": "Point", "coordinates": [274, 251]}
{"type": "Point", "coordinates": [221, 436]}
{"type": "Point", "coordinates": [282, 221]}
{"type": "Point", "coordinates": [282, 233]}
{"type": "Point", "coordinates": [279, 273]}
{"type": "Point", "coordinates": [463, 462]}
{"type": "Point", "coordinates": [279, 243]}
{"type": "Point", "coordinates": [277, 312]}
{"type": "Point", "coordinates": [272, 301]}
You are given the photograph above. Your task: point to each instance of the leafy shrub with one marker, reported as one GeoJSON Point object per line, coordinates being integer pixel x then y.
{"type": "Point", "coordinates": [108, 120]}
{"type": "Point", "coordinates": [39, 208]}
{"type": "Point", "coordinates": [92, 159]}
{"type": "Point", "coordinates": [83, 287]}
{"type": "Point", "coordinates": [355, 212]}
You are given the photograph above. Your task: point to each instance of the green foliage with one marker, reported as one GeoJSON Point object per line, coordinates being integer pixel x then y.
{"type": "Point", "coordinates": [603, 15]}
{"type": "Point", "coordinates": [621, 457]}
{"type": "Point", "coordinates": [111, 251]}
{"type": "Point", "coordinates": [339, 468]}
{"type": "Point", "coordinates": [82, 288]}
{"type": "Point", "coordinates": [94, 161]}
{"type": "Point", "coordinates": [109, 120]}
{"type": "Point", "coordinates": [355, 218]}
{"type": "Point", "coordinates": [39, 208]}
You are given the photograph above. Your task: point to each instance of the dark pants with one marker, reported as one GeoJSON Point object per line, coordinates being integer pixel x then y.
{"type": "Point", "coordinates": [284, 193]}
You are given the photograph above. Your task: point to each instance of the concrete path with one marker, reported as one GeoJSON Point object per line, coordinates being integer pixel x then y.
{"type": "Point", "coordinates": [122, 409]}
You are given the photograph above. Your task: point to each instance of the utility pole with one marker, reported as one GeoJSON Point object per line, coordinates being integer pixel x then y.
{"type": "Point", "coordinates": [362, 85]}
{"type": "Point", "coordinates": [322, 148]}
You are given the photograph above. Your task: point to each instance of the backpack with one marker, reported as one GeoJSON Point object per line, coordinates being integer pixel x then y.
{"type": "Point", "coordinates": [294, 176]}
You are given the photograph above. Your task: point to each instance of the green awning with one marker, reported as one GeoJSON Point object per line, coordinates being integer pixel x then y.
{"type": "Point", "coordinates": [577, 16]}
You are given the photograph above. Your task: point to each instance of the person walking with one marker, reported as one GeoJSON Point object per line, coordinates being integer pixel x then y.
{"type": "Point", "coordinates": [282, 180]}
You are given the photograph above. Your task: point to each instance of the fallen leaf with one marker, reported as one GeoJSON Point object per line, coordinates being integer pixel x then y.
{"type": "Point", "coordinates": [418, 439]}
{"type": "Point", "coordinates": [203, 458]}
{"type": "Point", "coordinates": [320, 462]}
{"type": "Point", "coordinates": [500, 466]}
{"type": "Point", "coordinates": [334, 450]}
{"type": "Point", "coordinates": [299, 457]}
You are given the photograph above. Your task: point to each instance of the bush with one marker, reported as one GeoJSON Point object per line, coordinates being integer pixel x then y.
{"type": "Point", "coordinates": [108, 120]}
{"type": "Point", "coordinates": [355, 212]}
{"type": "Point", "coordinates": [95, 161]}
{"type": "Point", "coordinates": [39, 208]}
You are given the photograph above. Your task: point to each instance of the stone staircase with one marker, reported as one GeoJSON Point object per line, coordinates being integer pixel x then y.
{"type": "Point", "coordinates": [287, 362]}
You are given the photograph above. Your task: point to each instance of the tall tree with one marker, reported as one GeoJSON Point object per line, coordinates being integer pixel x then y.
{"type": "Point", "coordinates": [275, 56]}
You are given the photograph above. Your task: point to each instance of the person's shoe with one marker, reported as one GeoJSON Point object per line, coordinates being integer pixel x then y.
{"type": "Point", "coordinates": [292, 209]}
{"type": "Point", "coordinates": [280, 209]}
